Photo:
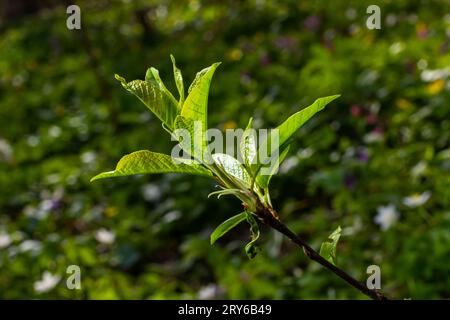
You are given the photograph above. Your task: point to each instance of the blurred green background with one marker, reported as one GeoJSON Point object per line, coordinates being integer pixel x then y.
{"type": "Point", "coordinates": [376, 161]}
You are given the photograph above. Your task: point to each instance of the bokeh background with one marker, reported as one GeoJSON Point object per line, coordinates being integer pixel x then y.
{"type": "Point", "coordinates": [376, 161]}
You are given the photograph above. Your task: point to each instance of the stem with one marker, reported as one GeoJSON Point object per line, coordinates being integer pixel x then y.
{"type": "Point", "coordinates": [268, 216]}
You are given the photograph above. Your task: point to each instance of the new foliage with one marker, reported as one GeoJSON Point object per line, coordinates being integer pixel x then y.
{"type": "Point", "coordinates": [243, 180]}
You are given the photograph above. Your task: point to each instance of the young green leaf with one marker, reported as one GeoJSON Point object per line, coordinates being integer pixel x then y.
{"type": "Point", "coordinates": [328, 248]}
{"type": "Point", "coordinates": [227, 225]}
{"type": "Point", "coordinates": [152, 76]}
{"type": "Point", "coordinates": [156, 98]}
{"type": "Point", "coordinates": [232, 167]}
{"type": "Point", "coordinates": [192, 139]}
{"type": "Point", "coordinates": [248, 144]}
{"type": "Point", "coordinates": [298, 119]}
{"type": "Point", "coordinates": [195, 106]}
{"type": "Point", "coordinates": [251, 249]}
{"type": "Point", "coordinates": [178, 80]}
{"type": "Point", "coordinates": [224, 192]}
{"type": "Point", "coordinates": [287, 129]}
{"type": "Point", "coordinates": [146, 162]}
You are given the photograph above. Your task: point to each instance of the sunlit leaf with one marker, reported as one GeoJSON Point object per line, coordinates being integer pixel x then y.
{"type": "Point", "coordinates": [195, 106]}
{"type": "Point", "coordinates": [224, 192]}
{"type": "Point", "coordinates": [178, 80]}
{"type": "Point", "coordinates": [248, 144]}
{"type": "Point", "coordinates": [251, 249]}
{"type": "Point", "coordinates": [147, 162]}
{"type": "Point", "coordinates": [192, 138]}
{"type": "Point", "coordinates": [232, 167]}
{"type": "Point", "coordinates": [152, 76]}
{"type": "Point", "coordinates": [227, 225]}
{"type": "Point", "coordinates": [298, 119]}
{"type": "Point", "coordinates": [286, 130]}
{"type": "Point", "coordinates": [328, 248]}
{"type": "Point", "coordinates": [155, 97]}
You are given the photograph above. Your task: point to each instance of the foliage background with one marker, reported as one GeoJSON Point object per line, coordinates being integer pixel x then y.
{"type": "Point", "coordinates": [63, 118]}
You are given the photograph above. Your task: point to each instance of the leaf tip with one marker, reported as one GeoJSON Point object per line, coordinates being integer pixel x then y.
{"type": "Point", "coordinates": [118, 77]}
{"type": "Point", "coordinates": [94, 178]}
{"type": "Point", "coordinates": [102, 175]}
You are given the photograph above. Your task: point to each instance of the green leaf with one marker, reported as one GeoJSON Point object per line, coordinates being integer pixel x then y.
{"type": "Point", "coordinates": [145, 162]}
{"type": "Point", "coordinates": [155, 97]}
{"type": "Point", "coordinates": [225, 192]}
{"type": "Point", "coordinates": [286, 130]}
{"type": "Point", "coordinates": [328, 248]}
{"type": "Point", "coordinates": [248, 144]}
{"type": "Point", "coordinates": [178, 80]}
{"type": "Point", "coordinates": [233, 168]}
{"type": "Point", "coordinates": [251, 249]}
{"type": "Point", "coordinates": [195, 106]}
{"type": "Point", "coordinates": [152, 76]}
{"type": "Point", "coordinates": [298, 119]}
{"type": "Point", "coordinates": [192, 139]}
{"type": "Point", "coordinates": [227, 225]}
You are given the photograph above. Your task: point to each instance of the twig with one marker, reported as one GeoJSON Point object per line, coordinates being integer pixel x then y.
{"type": "Point", "coordinates": [269, 217]}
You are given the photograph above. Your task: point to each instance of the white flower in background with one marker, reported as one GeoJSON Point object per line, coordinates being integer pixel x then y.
{"type": "Point", "coordinates": [386, 216]}
{"type": "Point", "coordinates": [32, 246]}
{"type": "Point", "coordinates": [305, 153]}
{"type": "Point", "coordinates": [5, 240]}
{"type": "Point", "coordinates": [47, 283]}
{"type": "Point", "coordinates": [105, 236]}
{"type": "Point", "coordinates": [54, 131]}
{"type": "Point", "coordinates": [36, 213]}
{"type": "Point", "coordinates": [396, 48]}
{"type": "Point", "coordinates": [6, 151]}
{"type": "Point", "coordinates": [372, 137]}
{"type": "Point", "coordinates": [419, 169]}
{"type": "Point", "coordinates": [88, 157]}
{"type": "Point", "coordinates": [171, 216]}
{"type": "Point", "coordinates": [417, 199]}
{"type": "Point", "coordinates": [53, 178]}
{"type": "Point", "coordinates": [208, 292]}
{"type": "Point", "coordinates": [356, 227]}
{"type": "Point", "coordinates": [33, 140]}
{"type": "Point", "coordinates": [151, 192]}
{"type": "Point", "coordinates": [433, 75]}
{"type": "Point", "coordinates": [43, 209]}
{"type": "Point", "coordinates": [288, 164]}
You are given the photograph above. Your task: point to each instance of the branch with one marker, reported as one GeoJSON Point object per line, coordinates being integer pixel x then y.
{"type": "Point", "coordinates": [270, 218]}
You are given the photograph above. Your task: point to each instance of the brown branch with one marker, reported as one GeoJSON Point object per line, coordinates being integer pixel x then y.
{"type": "Point", "coordinates": [270, 218]}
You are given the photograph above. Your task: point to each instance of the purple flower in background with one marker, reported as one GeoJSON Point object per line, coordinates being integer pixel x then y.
{"type": "Point", "coordinates": [285, 43]}
{"type": "Point", "coordinates": [362, 155]}
{"type": "Point", "coordinates": [264, 59]}
{"type": "Point", "coordinates": [350, 181]}
{"type": "Point", "coordinates": [312, 23]}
